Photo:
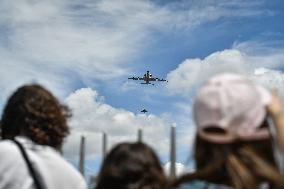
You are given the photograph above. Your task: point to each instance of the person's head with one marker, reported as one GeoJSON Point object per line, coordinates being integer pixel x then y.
{"type": "Point", "coordinates": [230, 114]}
{"type": "Point", "coordinates": [230, 107]}
{"type": "Point", "coordinates": [32, 111]}
{"type": "Point", "coordinates": [131, 166]}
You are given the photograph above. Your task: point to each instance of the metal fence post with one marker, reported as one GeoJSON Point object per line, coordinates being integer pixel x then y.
{"type": "Point", "coordinates": [82, 156]}
{"type": "Point", "coordinates": [173, 151]}
{"type": "Point", "coordinates": [140, 135]}
{"type": "Point", "coordinates": [104, 144]}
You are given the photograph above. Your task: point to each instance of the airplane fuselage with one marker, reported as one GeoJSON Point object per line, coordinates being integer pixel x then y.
{"type": "Point", "coordinates": [147, 78]}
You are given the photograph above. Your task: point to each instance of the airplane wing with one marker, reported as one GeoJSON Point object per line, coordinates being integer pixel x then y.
{"type": "Point", "coordinates": [141, 78]}
{"type": "Point", "coordinates": [152, 79]}
{"type": "Point", "coordinates": [161, 79]}
{"type": "Point", "coordinates": [134, 78]}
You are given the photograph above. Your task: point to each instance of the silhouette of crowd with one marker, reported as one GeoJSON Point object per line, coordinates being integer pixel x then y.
{"type": "Point", "coordinates": [239, 143]}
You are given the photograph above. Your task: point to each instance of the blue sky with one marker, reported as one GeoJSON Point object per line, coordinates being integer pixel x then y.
{"type": "Point", "coordinates": [84, 51]}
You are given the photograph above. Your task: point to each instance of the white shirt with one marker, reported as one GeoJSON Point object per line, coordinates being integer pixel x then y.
{"type": "Point", "coordinates": [55, 171]}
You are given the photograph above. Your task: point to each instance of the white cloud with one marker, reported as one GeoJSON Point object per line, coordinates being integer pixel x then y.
{"type": "Point", "coordinates": [91, 117]}
{"type": "Point", "coordinates": [89, 40]}
{"type": "Point", "coordinates": [193, 72]}
{"type": "Point", "coordinates": [190, 14]}
{"type": "Point", "coordinates": [247, 61]}
{"type": "Point", "coordinates": [270, 79]}
{"type": "Point", "coordinates": [179, 168]}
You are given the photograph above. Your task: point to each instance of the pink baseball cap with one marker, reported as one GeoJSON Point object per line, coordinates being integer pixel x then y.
{"type": "Point", "coordinates": [234, 104]}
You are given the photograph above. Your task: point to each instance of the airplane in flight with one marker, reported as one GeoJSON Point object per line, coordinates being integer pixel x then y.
{"type": "Point", "coordinates": [147, 78]}
{"type": "Point", "coordinates": [144, 111]}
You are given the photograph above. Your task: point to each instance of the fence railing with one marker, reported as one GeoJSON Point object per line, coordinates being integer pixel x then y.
{"type": "Point", "coordinates": [172, 151]}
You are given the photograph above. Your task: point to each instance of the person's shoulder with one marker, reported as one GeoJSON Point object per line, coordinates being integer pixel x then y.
{"type": "Point", "coordinates": [69, 168]}
{"type": "Point", "coordinates": [10, 160]}
{"type": "Point", "coordinates": [71, 174]}
{"type": "Point", "coordinates": [13, 165]}
{"type": "Point", "coordinates": [57, 166]}
{"type": "Point", "coordinates": [8, 148]}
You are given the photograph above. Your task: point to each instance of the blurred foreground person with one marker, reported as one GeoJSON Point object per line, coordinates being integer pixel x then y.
{"type": "Point", "coordinates": [33, 128]}
{"type": "Point", "coordinates": [131, 166]}
{"type": "Point", "coordinates": [233, 146]}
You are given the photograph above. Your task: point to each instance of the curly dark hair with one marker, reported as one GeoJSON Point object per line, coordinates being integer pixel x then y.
{"type": "Point", "coordinates": [34, 112]}
{"type": "Point", "coordinates": [132, 166]}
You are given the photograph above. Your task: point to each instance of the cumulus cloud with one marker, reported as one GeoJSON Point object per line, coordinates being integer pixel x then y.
{"type": "Point", "coordinates": [180, 169]}
{"type": "Point", "coordinates": [269, 78]}
{"type": "Point", "coordinates": [89, 40]}
{"type": "Point", "coordinates": [258, 66]}
{"type": "Point", "coordinates": [192, 72]}
{"type": "Point", "coordinates": [92, 116]}
{"type": "Point", "coordinates": [86, 41]}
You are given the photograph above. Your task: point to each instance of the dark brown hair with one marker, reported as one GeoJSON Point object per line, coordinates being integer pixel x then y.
{"type": "Point", "coordinates": [34, 112]}
{"type": "Point", "coordinates": [241, 164]}
{"type": "Point", "coordinates": [131, 166]}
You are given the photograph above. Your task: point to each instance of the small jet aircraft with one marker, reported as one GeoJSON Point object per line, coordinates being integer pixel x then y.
{"type": "Point", "coordinates": [144, 111]}
{"type": "Point", "coordinates": [147, 78]}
